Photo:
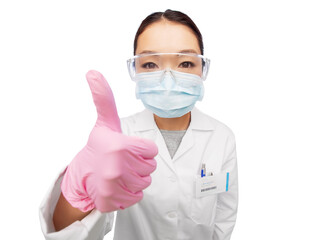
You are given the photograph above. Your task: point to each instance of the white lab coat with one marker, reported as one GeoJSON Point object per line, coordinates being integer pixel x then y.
{"type": "Point", "coordinates": [169, 208]}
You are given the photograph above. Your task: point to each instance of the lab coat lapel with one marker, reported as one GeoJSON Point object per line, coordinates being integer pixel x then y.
{"type": "Point", "coordinates": [146, 126]}
{"type": "Point", "coordinates": [187, 143]}
{"type": "Point", "coordinates": [198, 122]}
{"type": "Point", "coordinates": [163, 151]}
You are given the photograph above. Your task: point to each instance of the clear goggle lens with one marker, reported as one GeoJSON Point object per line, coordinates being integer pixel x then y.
{"type": "Point", "coordinates": [181, 62]}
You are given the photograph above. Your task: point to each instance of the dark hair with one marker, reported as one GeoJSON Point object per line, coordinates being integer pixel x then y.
{"type": "Point", "coordinates": [170, 15]}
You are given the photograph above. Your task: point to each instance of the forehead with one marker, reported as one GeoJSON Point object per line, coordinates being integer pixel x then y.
{"type": "Point", "coordinates": [166, 36]}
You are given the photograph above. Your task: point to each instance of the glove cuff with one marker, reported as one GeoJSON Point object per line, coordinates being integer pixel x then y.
{"type": "Point", "coordinates": [74, 192]}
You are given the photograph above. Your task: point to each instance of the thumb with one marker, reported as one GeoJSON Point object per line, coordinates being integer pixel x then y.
{"type": "Point", "coordinates": [103, 100]}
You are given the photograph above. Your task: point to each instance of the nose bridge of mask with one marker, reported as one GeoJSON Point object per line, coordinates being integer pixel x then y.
{"type": "Point", "coordinates": [168, 80]}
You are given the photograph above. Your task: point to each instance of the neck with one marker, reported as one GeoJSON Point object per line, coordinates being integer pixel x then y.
{"type": "Point", "coordinates": [174, 124]}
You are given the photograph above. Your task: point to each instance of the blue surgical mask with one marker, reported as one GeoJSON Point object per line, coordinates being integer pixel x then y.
{"type": "Point", "coordinates": [169, 93]}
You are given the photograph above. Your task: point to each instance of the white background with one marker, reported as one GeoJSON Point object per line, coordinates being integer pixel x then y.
{"type": "Point", "coordinates": [269, 82]}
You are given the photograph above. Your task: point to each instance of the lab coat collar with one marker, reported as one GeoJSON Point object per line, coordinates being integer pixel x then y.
{"type": "Point", "coordinates": [199, 121]}
{"type": "Point", "coordinates": [145, 121]}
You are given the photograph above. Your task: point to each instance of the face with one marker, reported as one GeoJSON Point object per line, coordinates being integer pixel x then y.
{"type": "Point", "coordinates": [168, 37]}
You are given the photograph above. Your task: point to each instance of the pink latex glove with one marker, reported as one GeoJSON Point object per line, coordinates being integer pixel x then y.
{"type": "Point", "coordinates": [111, 171]}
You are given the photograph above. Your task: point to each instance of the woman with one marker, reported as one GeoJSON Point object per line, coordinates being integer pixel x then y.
{"type": "Point", "coordinates": [190, 156]}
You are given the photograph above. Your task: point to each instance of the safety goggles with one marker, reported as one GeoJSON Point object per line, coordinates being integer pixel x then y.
{"type": "Point", "coordinates": [182, 62]}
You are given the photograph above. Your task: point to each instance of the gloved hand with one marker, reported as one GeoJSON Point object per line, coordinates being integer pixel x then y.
{"type": "Point", "coordinates": [111, 171]}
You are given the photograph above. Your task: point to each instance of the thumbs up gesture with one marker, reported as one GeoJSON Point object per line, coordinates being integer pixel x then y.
{"type": "Point", "coordinates": [111, 171]}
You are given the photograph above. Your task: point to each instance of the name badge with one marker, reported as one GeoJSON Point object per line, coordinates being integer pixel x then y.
{"type": "Point", "coordinates": [212, 184]}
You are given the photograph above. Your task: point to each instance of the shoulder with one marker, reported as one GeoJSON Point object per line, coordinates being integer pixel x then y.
{"type": "Point", "coordinates": [130, 118]}
{"type": "Point", "coordinates": [220, 126]}
{"type": "Point", "coordinates": [127, 122]}
{"type": "Point", "coordinates": [132, 121]}
{"type": "Point", "coordinates": [217, 125]}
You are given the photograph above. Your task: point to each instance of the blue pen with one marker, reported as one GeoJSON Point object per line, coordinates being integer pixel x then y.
{"type": "Point", "coordinates": [203, 170]}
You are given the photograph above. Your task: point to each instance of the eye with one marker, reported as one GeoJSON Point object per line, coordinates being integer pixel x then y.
{"type": "Point", "coordinates": [149, 65]}
{"type": "Point", "coordinates": [187, 65]}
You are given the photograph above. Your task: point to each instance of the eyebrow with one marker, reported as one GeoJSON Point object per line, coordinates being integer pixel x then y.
{"type": "Point", "coordinates": [182, 51]}
{"type": "Point", "coordinates": [146, 51]}
{"type": "Point", "coordinates": [188, 51]}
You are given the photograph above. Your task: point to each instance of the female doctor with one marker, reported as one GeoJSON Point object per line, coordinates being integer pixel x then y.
{"type": "Point", "coordinates": [190, 156]}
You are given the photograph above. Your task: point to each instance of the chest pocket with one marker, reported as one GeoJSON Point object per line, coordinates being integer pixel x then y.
{"type": "Point", "coordinates": [203, 209]}
{"type": "Point", "coordinates": [203, 205]}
